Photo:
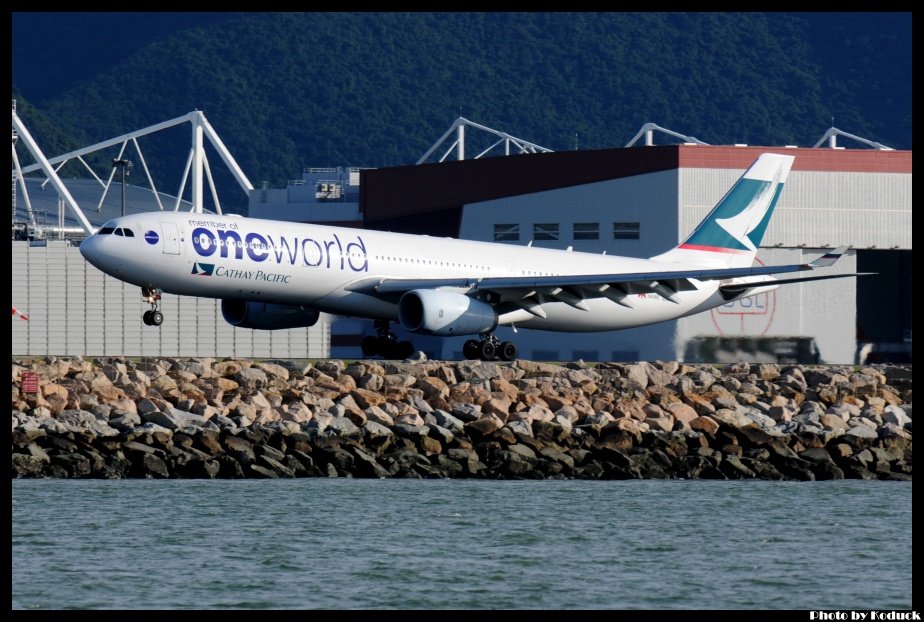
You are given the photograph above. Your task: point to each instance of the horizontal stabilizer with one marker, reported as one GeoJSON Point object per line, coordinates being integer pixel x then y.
{"type": "Point", "coordinates": [829, 258]}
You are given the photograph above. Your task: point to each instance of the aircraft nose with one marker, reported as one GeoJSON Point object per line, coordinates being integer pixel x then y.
{"type": "Point", "coordinates": [92, 251]}
{"type": "Point", "coordinates": [88, 248]}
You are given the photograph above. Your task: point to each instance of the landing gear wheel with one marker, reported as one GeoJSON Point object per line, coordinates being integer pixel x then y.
{"type": "Point", "coordinates": [370, 345]}
{"type": "Point", "coordinates": [508, 351]}
{"type": "Point", "coordinates": [153, 316]}
{"type": "Point", "coordinates": [404, 349]}
{"type": "Point", "coordinates": [487, 349]}
{"type": "Point", "coordinates": [384, 347]}
{"type": "Point", "coordinates": [386, 344]}
{"type": "Point", "coordinates": [472, 349]}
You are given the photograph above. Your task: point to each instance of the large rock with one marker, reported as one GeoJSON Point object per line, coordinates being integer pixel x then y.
{"type": "Point", "coordinates": [664, 423]}
{"type": "Point", "coordinates": [483, 427]}
{"type": "Point", "coordinates": [532, 368]}
{"type": "Point", "coordinates": [125, 422]}
{"type": "Point", "coordinates": [705, 424]}
{"type": "Point", "coordinates": [150, 369]}
{"type": "Point", "coordinates": [761, 419]}
{"type": "Point", "coordinates": [443, 435]}
{"type": "Point", "coordinates": [251, 378]}
{"type": "Point", "coordinates": [433, 388]}
{"type": "Point", "coordinates": [240, 449]}
{"type": "Point", "coordinates": [637, 373]}
{"type": "Point", "coordinates": [374, 430]}
{"type": "Point", "coordinates": [275, 371]}
{"type": "Point", "coordinates": [173, 419]}
{"type": "Point", "coordinates": [731, 418]}
{"type": "Point", "coordinates": [533, 413]}
{"type": "Point", "coordinates": [832, 422]}
{"type": "Point", "coordinates": [896, 415]}
{"type": "Point", "coordinates": [448, 421]}
{"type": "Point", "coordinates": [700, 404]}
{"type": "Point", "coordinates": [682, 413]}
{"type": "Point", "coordinates": [862, 432]}
{"type": "Point", "coordinates": [365, 398]}
{"type": "Point", "coordinates": [343, 427]}
{"type": "Point", "coordinates": [755, 435]}
{"type": "Point", "coordinates": [27, 466]}
{"type": "Point", "coordinates": [520, 427]}
{"type": "Point", "coordinates": [780, 413]}
{"type": "Point", "coordinates": [468, 459]}
{"type": "Point", "coordinates": [411, 419]}
{"type": "Point", "coordinates": [500, 407]}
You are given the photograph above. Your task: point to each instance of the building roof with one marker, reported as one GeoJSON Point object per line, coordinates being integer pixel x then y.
{"type": "Point", "coordinates": [807, 159]}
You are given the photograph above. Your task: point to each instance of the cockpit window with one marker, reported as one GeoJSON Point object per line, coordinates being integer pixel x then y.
{"type": "Point", "coordinates": [105, 231]}
{"type": "Point", "coordinates": [118, 231]}
{"type": "Point", "coordinates": [129, 233]}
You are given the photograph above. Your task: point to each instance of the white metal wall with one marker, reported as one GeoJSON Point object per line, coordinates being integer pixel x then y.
{"type": "Point", "coordinates": [73, 308]}
{"type": "Point", "coordinates": [825, 310]}
{"type": "Point", "coordinates": [862, 210]}
{"type": "Point", "coordinates": [650, 200]}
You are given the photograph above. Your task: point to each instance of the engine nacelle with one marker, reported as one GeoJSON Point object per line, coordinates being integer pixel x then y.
{"type": "Point", "coordinates": [267, 316]}
{"type": "Point", "coordinates": [434, 312]}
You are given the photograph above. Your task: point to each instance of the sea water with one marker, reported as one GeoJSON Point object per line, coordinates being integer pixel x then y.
{"type": "Point", "coordinates": [460, 544]}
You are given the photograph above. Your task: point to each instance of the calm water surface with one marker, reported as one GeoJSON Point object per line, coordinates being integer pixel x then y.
{"type": "Point", "coordinates": [342, 543]}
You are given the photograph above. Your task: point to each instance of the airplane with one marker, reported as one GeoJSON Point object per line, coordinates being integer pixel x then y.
{"type": "Point", "coordinates": [278, 275]}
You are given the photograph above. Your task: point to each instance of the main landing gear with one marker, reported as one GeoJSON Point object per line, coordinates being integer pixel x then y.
{"type": "Point", "coordinates": [154, 317]}
{"type": "Point", "coordinates": [386, 344]}
{"type": "Point", "coordinates": [490, 348]}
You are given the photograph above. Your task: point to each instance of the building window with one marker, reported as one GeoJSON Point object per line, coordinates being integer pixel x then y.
{"type": "Point", "coordinates": [545, 355]}
{"type": "Point", "coordinates": [545, 231]}
{"type": "Point", "coordinates": [506, 233]}
{"type": "Point", "coordinates": [625, 231]}
{"type": "Point", "coordinates": [586, 355]}
{"type": "Point", "coordinates": [586, 231]}
{"type": "Point", "coordinates": [628, 356]}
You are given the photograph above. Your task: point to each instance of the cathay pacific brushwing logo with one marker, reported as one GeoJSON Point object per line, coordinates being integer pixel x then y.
{"type": "Point", "coordinates": [203, 269]}
{"type": "Point", "coordinates": [738, 222]}
{"type": "Point", "coordinates": [746, 221]}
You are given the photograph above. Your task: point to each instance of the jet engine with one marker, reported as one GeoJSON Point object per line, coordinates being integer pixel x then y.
{"type": "Point", "coordinates": [267, 316]}
{"type": "Point", "coordinates": [433, 312]}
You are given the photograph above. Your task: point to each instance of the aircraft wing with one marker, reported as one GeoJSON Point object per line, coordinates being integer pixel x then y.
{"type": "Point", "coordinates": [530, 292]}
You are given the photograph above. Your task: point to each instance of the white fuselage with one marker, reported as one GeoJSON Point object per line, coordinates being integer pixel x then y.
{"type": "Point", "coordinates": [231, 257]}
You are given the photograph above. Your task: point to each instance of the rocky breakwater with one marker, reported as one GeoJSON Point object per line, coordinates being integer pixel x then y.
{"type": "Point", "coordinates": [204, 418]}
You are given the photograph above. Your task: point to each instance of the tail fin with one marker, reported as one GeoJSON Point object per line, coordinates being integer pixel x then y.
{"type": "Point", "coordinates": [730, 234]}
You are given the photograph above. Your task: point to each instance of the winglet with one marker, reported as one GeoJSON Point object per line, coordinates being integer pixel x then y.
{"type": "Point", "coordinates": [829, 258]}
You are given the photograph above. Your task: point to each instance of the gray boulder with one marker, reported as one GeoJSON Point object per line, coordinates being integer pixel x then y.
{"type": "Point", "coordinates": [343, 427]}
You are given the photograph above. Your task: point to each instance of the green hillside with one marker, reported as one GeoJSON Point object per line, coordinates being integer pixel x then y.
{"type": "Point", "coordinates": [319, 89]}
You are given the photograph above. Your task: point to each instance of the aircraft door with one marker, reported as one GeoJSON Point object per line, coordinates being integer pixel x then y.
{"type": "Point", "coordinates": [171, 238]}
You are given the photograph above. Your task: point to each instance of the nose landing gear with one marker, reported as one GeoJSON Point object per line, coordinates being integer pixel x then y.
{"type": "Point", "coordinates": [153, 317]}
{"type": "Point", "coordinates": [490, 348]}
